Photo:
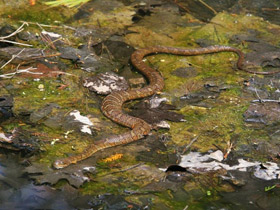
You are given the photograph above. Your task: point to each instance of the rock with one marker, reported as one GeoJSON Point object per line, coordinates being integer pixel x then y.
{"type": "Point", "coordinates": [5, 31]}
{"type": "Point", "coordinates": [6, 105]}
{"type": "Point", "coordinates": [217, 155]}
{"type": "Point", "coordinates": [264, 113]}
{"type": "Point", "coordinates": [23, 54]}
{"type": "Point", "coordinates": [118, 50]}
{"type": "Point", "coordinates": [82, 56]}
{"type": "Point", "coordinates": [154, 111]}
{"type": "Point", "coordinates": [55, 121]}
{"type": "Point", "coordinates": [74, 174]}
{"type": "Point", "coordinates": [20, 140]}
{"type": "Point", "coordinates": [105, 83]}
{"type": "Point", "coordinates": [43, 112]}
{"type": "Point", "coordinates": [234, 180]}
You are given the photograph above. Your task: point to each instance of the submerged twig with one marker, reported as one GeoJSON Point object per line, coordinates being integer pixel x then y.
{"type": "Point", "coordinates": [18, 71]}
{"type": "Point", "coordinates": [271, 9]}
{"type": "Point", "coordinates": [17, 43]}
{"type": "Point", "coordinates": [49, 42]}
{"type": "Point", "coordinates": [218, 147]}
{"type": "Point", "coordinates": [208, 6]}
{"type": "Point", "coordinates": [13, 57]}
{"type": "Point", "coordinates": [257, 94]}
{"type": "Point", "coordinates": [265, 100]}
{"type": "Point", "coordinates": [186, 207]}
{"type": "Point", "coordinates": [51, 26]}
{"type": "Point", "coordinates": [20, 29]}
{"type": "Point", "coordinates": [181, 6]}
{"type": "Point", "coordinates": [190, 144]}
{"type": "Point", "coordinates": [127, 169]}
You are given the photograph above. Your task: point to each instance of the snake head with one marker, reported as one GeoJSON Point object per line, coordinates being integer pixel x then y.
{"type": "Point", "coordinates": [58, 164]}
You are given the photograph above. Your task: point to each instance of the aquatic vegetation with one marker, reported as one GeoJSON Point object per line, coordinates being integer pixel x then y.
{"type": "Point", "coordinates": [68, 3]}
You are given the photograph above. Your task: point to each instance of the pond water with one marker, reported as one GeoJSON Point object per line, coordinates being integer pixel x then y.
{"type": "Point", "coordinates": [216, 142]}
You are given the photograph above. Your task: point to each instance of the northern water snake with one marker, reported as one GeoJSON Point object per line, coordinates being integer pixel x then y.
{"type": "Point", "coordinates": [112, 104]}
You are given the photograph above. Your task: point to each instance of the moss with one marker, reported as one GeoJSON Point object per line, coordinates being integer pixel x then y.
{"type": "Point", "coordinates": [30, 97]}
{"type": "Point", "coordinates": [98, 188]}
{"type": "Point", "coordinates": [112, 20]}
{"type": "Point", "coordinates": [39, 13]}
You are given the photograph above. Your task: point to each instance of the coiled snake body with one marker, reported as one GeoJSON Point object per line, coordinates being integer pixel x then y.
{"type": "Point", "coordinates": [112, 104]}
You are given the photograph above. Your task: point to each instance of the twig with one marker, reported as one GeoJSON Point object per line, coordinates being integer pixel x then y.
{"type": "Point", "coordinates": [230, 146]}
{"type": "Point", "coordinates": [18, 71]}
{"type": "Point", "coordinates": [46, 39]}
{"type": "Point", "coordinates": [216, 33]}
{"type": "Point", "coordinates": [265, 100]}
{"type": "Point", "coordinates": [46, 56]}
{"type": "Point", "coordinates": [257, 94]}
{"type": "Point", "coordinates": [190, 144]}
{"type": "Point", "coordinates": [271, 9]}
{"type": "Point", "coordinates": [131, 167]}
{"type": "Point", "coordinates": [209, 7]}
{"type": "Point", "coordinates": [218, 147]}
{"type": "Point", "coordinates": [123, 170]}
{"type": "Point", "coordinates": [29, 71]}
{"type": "Point", "coordinates": [181, 6]}
{"type": "Point", "coordinates": [13, 42]}
{"type": "Point", "coordinates": [51, 26]}
{"type": "Point", "coordinates": [275, 133]}
{"type": "Point", "coordinates": [20, 29]}
{"type": "Point", "coordinates": [186, 207]}
{"type": "Point", "coordinates": [13, 57]}
{"type": "Point", "coordinates": [127, 169]}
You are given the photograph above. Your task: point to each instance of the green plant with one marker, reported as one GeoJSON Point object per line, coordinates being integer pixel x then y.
{"type": "Point", "coordinates": [68, 3]}
{"type": "Point", "coordinates": [268, 188]}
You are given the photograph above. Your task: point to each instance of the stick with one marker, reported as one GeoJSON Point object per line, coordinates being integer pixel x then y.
{"type": "Point", "coordinates": [206, 5]}
{"type": "Point", "coordinates": [20, 29]}
{"type": "Point", "coordinates": [265, 100]}
{"type": "Point", "coordinates": [190, 144]}
{"type": "Point", "coordinates": [18, 71]}
{"type": "Point", "coordinates": [13, 57]}
{"type": "Point", "coordinates": [13, 42]}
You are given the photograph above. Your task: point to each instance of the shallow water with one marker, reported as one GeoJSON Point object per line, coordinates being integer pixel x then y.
{"type": "Point", "coordinates": [213, 100]}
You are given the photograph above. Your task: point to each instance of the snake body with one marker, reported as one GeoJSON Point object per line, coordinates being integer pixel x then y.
{"type": "Point", "coordinates": [112, 104]}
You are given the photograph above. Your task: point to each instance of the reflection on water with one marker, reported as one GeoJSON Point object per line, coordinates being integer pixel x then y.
{"type": "Point", "coordinates": [17, 192]}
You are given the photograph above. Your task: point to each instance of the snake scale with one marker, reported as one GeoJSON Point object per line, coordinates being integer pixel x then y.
{"type": "Point", "coordinates": [112, 104]}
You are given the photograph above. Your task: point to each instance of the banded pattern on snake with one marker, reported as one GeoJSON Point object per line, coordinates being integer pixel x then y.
{"type": "Point", "coordinates": [112, 104]}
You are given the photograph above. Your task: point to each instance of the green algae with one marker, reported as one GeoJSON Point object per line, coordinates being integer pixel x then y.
{"type": "Point", "coordinates": [216, 126]}
{"type": "Point", "coordinates": [107, 19]}
{"type": "Point", "coordinates": [39, 13]}
{"type": "Point", "coordinates": [114, 178]}
{"type": "Point", "coordinates": [31, 97]}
